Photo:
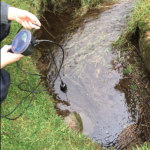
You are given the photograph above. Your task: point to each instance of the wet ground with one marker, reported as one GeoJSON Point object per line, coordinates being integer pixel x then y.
{"type": "Point", "coordinates": [98, 87]}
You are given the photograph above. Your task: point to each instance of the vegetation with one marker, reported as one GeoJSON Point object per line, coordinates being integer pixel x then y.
{"type": "Point", "coordinates": [81, 6]}
{"type": "Point", "coordinates": [145, 146]}
{"type": "Point", "coordinates": [140, 18]}
{"type": "Point", "coordinates": [81, 2]}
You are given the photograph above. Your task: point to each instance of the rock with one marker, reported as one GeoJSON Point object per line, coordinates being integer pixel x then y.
{"type": "Point", "coordinates": [74, 121]}
{"type": "Point", "coordinates": [87, 124]}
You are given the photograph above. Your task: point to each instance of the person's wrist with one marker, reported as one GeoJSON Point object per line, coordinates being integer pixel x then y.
{"type": "Point", "coordinates": [12, 13]}
{"type": "Point", "coordinates": [3, 64]}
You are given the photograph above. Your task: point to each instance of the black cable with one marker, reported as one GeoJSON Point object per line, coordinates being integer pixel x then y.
{"type": "Point", "coordinates": [58, 71]}
{"type": "Point", "coordinates": [20, 29]}
{"type": "Point", "coordinates": [5, 116]}
{"type": "Point", "coordinates": [51, 53]}
{"type": "Point", "coordinates": [33, 90]}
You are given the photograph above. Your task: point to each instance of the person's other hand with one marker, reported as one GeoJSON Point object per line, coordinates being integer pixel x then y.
{"type": "Point", "coordinates": [7, 57]}
{"type": "Point", "coordinates": [23, 17]}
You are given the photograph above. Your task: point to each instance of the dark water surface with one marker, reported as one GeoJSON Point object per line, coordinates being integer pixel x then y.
{"type": "Point", "coordinates": [97, 87]}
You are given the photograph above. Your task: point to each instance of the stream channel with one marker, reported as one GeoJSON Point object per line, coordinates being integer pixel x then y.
{"type": "Point", "coordinates": [95, 85]}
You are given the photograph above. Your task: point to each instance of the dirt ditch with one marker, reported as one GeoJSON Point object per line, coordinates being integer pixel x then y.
{"type": "Point", "coordinates": [109, 90]}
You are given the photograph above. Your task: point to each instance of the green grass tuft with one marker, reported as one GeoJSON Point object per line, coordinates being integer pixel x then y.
{"type": "Point", "coordinates": [140, 18]}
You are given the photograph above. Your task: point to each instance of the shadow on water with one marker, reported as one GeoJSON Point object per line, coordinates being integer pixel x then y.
{"type": "Point", "coordinates": [97, 88]}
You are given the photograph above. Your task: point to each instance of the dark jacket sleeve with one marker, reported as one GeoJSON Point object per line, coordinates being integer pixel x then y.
{"type": "Point", "coordinates": [4, 31]}
{"type": "Point", "coordinates": [5, 82]}
{"type": "Point", "coordinates": [4, 13]}
{"type": "Point", "coordinates": [4, 22]}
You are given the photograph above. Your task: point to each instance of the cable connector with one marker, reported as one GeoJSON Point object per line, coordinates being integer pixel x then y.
{"type": "Point", "coordinates": [36, 43]}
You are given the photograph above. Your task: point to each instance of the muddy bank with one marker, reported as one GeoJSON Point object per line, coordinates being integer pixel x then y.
{"type": "Point", "coordinates": [144, 47]}
{"type": "Point", "coordinates": [100, 87]}
{"type": "Point", "coordinates": [138, 75]}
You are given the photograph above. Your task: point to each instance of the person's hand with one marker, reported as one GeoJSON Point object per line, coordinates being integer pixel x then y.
{"type": "Point", "coordinates": [7, 57]}
{"type": "Point", "coordinates": [23, 17]}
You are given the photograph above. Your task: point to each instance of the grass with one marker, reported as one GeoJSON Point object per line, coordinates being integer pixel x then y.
{"type": "Point", "coordinates": [81, 6]}
{"type": "Point", "coordinates": [145, 146]}
{"type": "Point", "coordinates": [140, 18]}
{"type": "Point", "coordinates": [81, 2]}
{"type": "Point", "coordinates": [39, 127]}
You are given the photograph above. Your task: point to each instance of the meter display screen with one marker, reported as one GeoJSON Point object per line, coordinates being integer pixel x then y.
{"type": "Point", "coordinates": [21, 41]}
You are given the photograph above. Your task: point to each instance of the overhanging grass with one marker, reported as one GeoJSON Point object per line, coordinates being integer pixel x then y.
{"type": "Point", "coordinates": [140, 18]}
{"type": "Point", "coordinates": [81, 2]}
{"type": "Point", "coordinates": [40, 127]}
{"type": "Point", "coordinates": [81, 5]}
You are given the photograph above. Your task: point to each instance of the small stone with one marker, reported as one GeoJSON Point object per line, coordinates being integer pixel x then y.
{"type": "Point", "coordinates": [74, 121]}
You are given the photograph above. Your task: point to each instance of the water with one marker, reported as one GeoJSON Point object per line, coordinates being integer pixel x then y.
{"type": "Point", "coordinates": [97, 88]}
